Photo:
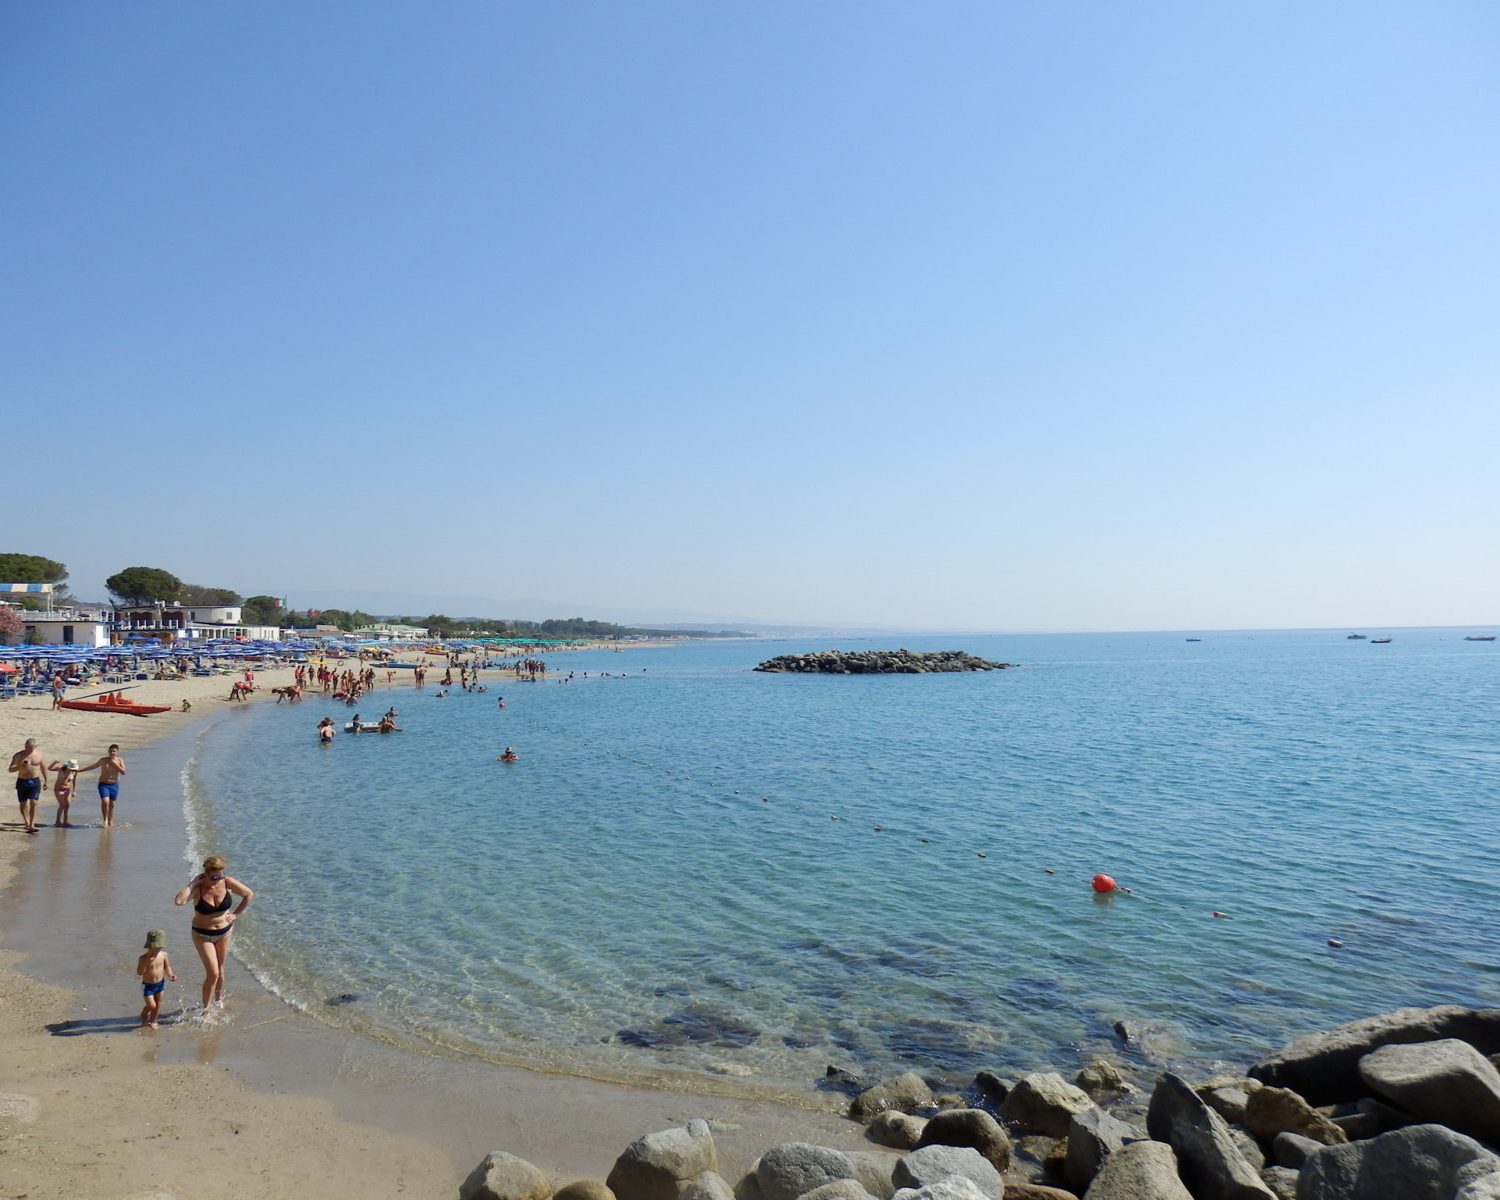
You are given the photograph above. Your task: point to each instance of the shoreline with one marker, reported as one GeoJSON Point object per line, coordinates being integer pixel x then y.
{"type": "Point", "coordinates": [366, 1118]}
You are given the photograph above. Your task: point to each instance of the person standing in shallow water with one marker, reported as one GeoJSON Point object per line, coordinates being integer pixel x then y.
{"type": "Point", "coordinates": [30, 768]}
{"type": "Point", "coordinates": [213, 924]}
{"type": "Point", "coordinates": [110, 768]}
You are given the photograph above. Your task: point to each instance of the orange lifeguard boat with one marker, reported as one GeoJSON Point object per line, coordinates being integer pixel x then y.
{"type": "Point", "coordinates": [113, 702]}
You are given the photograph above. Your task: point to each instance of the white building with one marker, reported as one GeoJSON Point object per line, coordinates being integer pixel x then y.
{"type": "Point", "coordinates": [392, 631]}
{"type": "Point", "coordinates": [64, 631]}
{"type": "Point", "coordinates": [173, 623]}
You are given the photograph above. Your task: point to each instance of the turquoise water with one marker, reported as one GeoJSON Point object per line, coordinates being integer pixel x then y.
{"type": "Point", "coordinates": [699, 871]}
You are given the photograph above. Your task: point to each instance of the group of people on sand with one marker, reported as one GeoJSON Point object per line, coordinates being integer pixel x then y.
{"type": "Point", "coordinates": [212, 893]}
{"type": "Point", "coordinates": [31, 769]}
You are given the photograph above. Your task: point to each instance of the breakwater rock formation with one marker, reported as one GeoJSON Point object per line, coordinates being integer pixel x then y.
{"type": "Point", "coordinates": [1404, 1106]}
{"type": "Point", "coordinates": [879, 662]}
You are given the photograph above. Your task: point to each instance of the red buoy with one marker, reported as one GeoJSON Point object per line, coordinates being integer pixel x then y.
{"type": "Point", "coordinates": [1104, 884]}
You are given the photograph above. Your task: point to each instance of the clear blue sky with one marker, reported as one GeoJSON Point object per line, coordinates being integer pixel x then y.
{"type": "Point", "coordinates": [991, 315]}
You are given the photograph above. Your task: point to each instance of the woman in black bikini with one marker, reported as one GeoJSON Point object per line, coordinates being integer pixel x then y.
{"type": "Point", "coordinates": [213, 924]}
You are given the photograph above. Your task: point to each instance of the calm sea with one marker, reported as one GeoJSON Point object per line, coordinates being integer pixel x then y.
{"type": "Point", "coordinates": [700, 871]}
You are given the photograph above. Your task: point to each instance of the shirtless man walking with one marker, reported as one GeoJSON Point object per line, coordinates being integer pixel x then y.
{"type": "Point", "coordinates": [110, 768]}
{"type": "Point", "coordinates": [30, 769]}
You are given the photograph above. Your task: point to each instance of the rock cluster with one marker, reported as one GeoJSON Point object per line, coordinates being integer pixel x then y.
{"type": "Point", "coordinates": [879, 662]}
{"type": "Point", "coordinates": [1414, 1115]}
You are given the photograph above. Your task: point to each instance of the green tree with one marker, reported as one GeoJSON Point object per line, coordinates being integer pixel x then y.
{"type": "Point", "coordinates": [30, 568]}
{"type": "Point", "coordinates": [207, 597]}
{"type": "Point", "coordinates": [144, 585]}
{"type": "Point", "coordinates": [33, 568]}
{"type": "Point", "coordinates": [262, 610]}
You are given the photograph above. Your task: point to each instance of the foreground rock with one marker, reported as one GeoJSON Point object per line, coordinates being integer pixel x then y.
{"type": "Point", "coordinates": [879, 662]}
{"type": "Point", "coordinates": [898, 1130]}
{"type": "Point", "coordinates": [653, 1166]}
{"type": "Point", "coordinates": [1421, 1162]}
{"type": "Point", "coordinates": [1273, 1110]}
{"type": "Point", "coordinates": [932, 1164]}
{"type": "Point", "coordinates": [1324, 1067]}
{"type": "Point", "coordinates": [592, 1189]}
{"type": "Point", "coordinates": [795, 1168]}
{"type": "Point", "coordinates": [955, 1187]}
{"type": "Point", "coordinates": [1139, 1171]}
{"type": "Point", "coordinates": [1209, 1161]}
{"type": "Point", "coordinates": [1448, 1083]}
{"type": "Point", "coordinates": [503, 1176]}
{"type": "Point", "coordinates": [970, 1127]}
{"type": "Point", "coordinates": [1092, 1137]}
{"type": "Point", "coordinates": [902, 1093]}
{"type": "Point", "coordinates": [1044, 1104]}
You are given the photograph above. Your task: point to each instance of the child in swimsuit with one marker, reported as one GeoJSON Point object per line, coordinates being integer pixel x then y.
{"type": "Point", "coordinates": [154, 969]}
{"type": "Point", "coordinates": [63, 785]}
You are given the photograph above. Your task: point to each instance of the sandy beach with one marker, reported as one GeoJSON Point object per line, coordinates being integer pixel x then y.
{"type": "Point", "coordinates": [271, 1102]}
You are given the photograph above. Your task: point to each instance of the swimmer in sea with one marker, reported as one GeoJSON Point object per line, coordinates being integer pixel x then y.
{"type": "Point", "coordinates": [325, 730]}
{"type": "Point", "coordinates": [509, 756]}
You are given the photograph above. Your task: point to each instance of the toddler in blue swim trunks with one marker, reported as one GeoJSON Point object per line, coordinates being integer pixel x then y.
{"type": "Point", "coordinates": [154, 969]}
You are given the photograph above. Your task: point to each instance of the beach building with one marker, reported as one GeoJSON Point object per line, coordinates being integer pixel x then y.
{"type": "Point", "coordinates": [63, 629]}
{"type": "Point", "coordinates": [393, 631]}
{"type": "Point", "coordinates": [174, 623]}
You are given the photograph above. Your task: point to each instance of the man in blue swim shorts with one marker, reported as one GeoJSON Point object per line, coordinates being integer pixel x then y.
{"type": "Point", "coordinates": [30, 769]}
{"type": "Point", "coordinates": [110, 768]}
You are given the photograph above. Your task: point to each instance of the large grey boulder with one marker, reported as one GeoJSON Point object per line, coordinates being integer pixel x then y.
{"type": "Point", "coordinates": [904, 1093]}
{"type": "Point", "coordinates": [954, 1187]}
{"type": "Point", "coordinates": [1209, 1161]}
{"type": "Point", "coordinates": [503, 1176]}
{"type": "Point", "coordinates": [1293, 1150]}
{"type": "Point", "coordinates": [1249, 1148]}
{"type": "Point", "coordinates": [792, 1169]}
{"type": "Point", "coordinates": [898, 1130]}
{"type": "Point", "coordinates": [970, 1127]}
{"type": "Point", "coordinates": [1228, 1102]}
{"type": "Point", "coordinates": [653, 1166]}
{"type": "Point", "coordinates": [1282, 1181]}
{"type": "Point", "coordinates": [874, 1171]}
{"type": "Point", "coordinates": [708, 1186]}
{"type": "Point", "coordinates": [933, 1163]}
{"type": "Point", "coordinates": [1446, 1082]}
{"type": "Point", "coordinates": [1273, 1110]}
{"type": "Point", "coordinates": [1093, 1136]}
{"type": "Point", "coordinates": [1324, 1067]}
{"type": "Point", "coordinates": [838, 1189]}
{"type": "Point", "coordinates": [1420, 1162]}
{"type": "Point", "coordinates": [1044, 1104]}
{"type": "Point", "coordinates": [1139, 1171]}
{"type": "Point", "coordinates": [592, 1189]}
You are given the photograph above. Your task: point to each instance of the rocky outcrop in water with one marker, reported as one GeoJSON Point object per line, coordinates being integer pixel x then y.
{"type": "Point", "coordinates": [879, 662]}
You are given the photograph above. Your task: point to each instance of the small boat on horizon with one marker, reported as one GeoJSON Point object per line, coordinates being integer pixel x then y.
{"type": "Point", "coordinates": [1356, 637]}
{"type": "Point", "coordinates": [1480, 637]}
{"type": "Point", "coordinates": [1195, 639]}
{"type": "Point", "coordinates": [1385, 641]}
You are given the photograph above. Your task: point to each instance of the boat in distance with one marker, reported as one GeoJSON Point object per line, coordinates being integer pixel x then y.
{"type": "Point", "coordinates": [1480, 637]}
{"type": "Point", "coordinates": [1356, 637]}
{"type": "Point", "coordinates": [1385, 641]}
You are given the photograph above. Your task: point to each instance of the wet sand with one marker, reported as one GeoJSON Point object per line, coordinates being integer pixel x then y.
{"type": "Point", "coordinates": [267, 1101]}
